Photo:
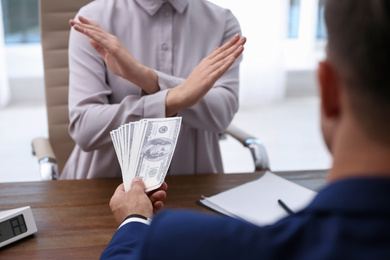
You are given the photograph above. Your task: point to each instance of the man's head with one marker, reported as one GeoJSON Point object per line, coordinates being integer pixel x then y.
{"type": "Point", "coordinates": [359, 61]}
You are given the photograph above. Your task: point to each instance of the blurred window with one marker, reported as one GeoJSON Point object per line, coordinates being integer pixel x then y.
{"type": "Point", "coordinates": [21, 21]}
{"type": "Point", "coordinates": [294, 20]}
{"type": "Point", "coordinates": [321, 28]}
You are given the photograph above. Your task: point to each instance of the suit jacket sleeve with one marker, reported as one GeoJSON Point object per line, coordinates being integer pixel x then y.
{"type": "Point", "coordinates": [126, 241]}
{"type": "Point", "coordinates": [185, 235]}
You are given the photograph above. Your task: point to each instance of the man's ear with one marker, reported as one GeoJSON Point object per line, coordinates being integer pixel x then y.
{"type": "Point", "coordinates": [330, 89]}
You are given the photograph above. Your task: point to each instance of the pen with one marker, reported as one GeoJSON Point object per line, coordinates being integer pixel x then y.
{"type": "Point", "coordinates": [285, 207]}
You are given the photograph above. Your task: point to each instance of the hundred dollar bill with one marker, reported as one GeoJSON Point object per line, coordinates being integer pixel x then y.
{"type": "Point", "coordinates": [156, 150]}
{"type": "Point", "coordinates": [145, 148]}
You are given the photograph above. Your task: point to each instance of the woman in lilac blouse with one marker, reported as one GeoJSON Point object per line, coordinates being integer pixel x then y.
{"type": "Point", "coordinates": [139, 59]}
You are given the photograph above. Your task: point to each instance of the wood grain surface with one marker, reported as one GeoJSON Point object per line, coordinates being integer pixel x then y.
{"type": "Point", "coordinates": [74, 220]}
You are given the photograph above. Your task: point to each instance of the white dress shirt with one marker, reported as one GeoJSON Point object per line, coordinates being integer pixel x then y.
{"type": "Point", "coordinates": [171, 37]}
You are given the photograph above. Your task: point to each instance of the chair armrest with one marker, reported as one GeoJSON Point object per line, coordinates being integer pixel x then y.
{"type": "Point", "coordinates": [47, 160]}
{"type": "Point", "coordinates": [258, 151]}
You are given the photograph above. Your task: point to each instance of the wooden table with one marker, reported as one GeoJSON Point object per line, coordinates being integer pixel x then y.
{"type": "Point", "coordinates": [74, 220]}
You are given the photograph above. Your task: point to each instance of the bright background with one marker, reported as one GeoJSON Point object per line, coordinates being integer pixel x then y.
{"type": "Point", "coordinates": [278, 95]}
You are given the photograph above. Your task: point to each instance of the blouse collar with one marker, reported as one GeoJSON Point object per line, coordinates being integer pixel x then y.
{"type": "Point", "coordinates": [152, 6]}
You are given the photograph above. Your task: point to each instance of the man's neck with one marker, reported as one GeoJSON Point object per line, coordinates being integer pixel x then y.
{"type": "Point", "coordinates": [357, 155]}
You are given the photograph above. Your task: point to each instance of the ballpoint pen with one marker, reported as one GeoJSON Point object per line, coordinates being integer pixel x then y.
{"type": "Point", "coordinates": [285, 207]}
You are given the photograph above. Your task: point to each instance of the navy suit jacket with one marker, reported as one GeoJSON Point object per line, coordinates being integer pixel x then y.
{"type": "Point", "coordinates": [349, 219]}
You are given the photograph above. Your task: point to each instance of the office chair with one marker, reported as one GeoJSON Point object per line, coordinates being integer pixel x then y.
{"type": "Point", "coordinates": [53, 152]}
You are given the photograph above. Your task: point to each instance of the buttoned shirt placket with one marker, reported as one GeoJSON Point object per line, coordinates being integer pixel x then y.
{"type": "Point", "coordinates": [165, 39]}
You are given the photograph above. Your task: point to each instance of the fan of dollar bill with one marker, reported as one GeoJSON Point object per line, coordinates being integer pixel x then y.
{"type": "Point", "coordinates": [145, 148]}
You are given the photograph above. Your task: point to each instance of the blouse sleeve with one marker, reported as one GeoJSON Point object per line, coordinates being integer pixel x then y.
{"type": "Point", "coordinates": [91, 114]}
{"type": "Point", "coordinates": [216, 110]}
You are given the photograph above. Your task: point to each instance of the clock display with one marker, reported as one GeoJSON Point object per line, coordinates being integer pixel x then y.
{"type": "Point", "coordinates": [12, 227]}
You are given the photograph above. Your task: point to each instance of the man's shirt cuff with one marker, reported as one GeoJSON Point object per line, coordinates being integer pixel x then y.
{"type": "Point", "coordinates": [135, 219]}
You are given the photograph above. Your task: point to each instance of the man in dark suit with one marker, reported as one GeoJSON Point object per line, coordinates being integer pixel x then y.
{"type": "Point", "coordinates": [348, 219]}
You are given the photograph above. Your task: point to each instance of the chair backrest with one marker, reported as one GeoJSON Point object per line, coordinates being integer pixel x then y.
{"type": "Point", "coordinates": [55, 28]}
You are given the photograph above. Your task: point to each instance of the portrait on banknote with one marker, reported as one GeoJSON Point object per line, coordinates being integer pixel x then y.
{"type": "Point", "coordinates": [157, 149]}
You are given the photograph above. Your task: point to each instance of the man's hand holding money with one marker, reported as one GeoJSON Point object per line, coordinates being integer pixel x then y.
{"type": "Point", "coordinates": [136, 201]}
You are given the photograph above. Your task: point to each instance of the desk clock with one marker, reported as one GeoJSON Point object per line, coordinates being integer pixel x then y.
{"type": "Point", "coordinates": [16, 224]}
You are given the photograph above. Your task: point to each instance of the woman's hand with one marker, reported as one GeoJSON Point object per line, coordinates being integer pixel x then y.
{"type": "Point", "coordinates": [204, 76]}
{"type": "Point", "coordinates": [116, 57]}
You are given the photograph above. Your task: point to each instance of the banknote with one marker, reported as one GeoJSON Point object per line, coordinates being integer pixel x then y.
{"type": "Point", "coordinates": [145, 149]}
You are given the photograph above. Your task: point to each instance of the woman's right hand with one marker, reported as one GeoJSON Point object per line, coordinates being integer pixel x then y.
{"type": "Point", "coordinates": [204, 76]}
{"type": "Point", "coordinates": [116, 56]}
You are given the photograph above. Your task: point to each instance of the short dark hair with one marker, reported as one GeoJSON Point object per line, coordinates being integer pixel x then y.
{"type": "Point", "coordinates": [359, 49]}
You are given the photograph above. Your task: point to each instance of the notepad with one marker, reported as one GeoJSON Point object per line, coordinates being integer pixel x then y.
{"type": "Point", "coordinates": [257, 201]}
